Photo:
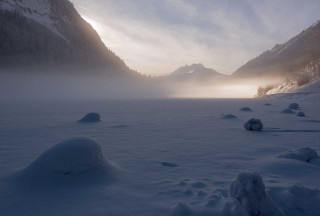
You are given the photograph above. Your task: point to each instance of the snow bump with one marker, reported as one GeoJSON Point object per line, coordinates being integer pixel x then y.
{"type": "Point", "coordinates": [301, 154]}
{"type": "Point", "coordinates": [71, 157]}
{"type": "Point", "coordinates": [91, 117]}
{"type": "Point", "coordinates": [246, 109]}
{"type": "Point", "coordinates": [229, 116]}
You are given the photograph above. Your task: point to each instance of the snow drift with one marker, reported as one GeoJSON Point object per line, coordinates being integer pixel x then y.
{"type": "Point", "coordinates": [74, 160]}
{"type": "Point", "coordinates": [301, 154]}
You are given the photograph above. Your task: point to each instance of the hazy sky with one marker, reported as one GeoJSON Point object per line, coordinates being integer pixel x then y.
{"type": "Point", "coordinates": [158, 36]}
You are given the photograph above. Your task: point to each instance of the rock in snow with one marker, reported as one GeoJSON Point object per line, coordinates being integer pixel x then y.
{"type": "Point", "coordinates": [249, 190]}
{"type": "Point", "coordinates": [253, 125]}
{"type": "Point", "coordinates": [294, 106]}
{"type": "Point", "coordinates": [74, 156]}
{"type": "Point", "coordinates": [229, 116]}
{"type": "Point", "coordinates": [287, 111]}
{"type": "Point", "coordinates": [91, 117]}
{"type": "Point", "coordinates": [246, 109]}
{"type": "Point", "coordinates": [302, 154]}
{"type": "Point", "coordinates": [301, 114]}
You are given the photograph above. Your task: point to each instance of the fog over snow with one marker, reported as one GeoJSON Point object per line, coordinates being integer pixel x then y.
{"type": "Point", "coordinates": [156, 37]}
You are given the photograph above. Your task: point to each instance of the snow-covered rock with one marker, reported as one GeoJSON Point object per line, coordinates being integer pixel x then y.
{"type": "Point", "coordinates": [287, 111]}
{"type": "Point", "coordinates": [229, 116]}
{"type": "Point", "coordinates": [301, 114]}
{"type": "Point", "coordinates": [294, 106]}
{"type": "Point", "coordinates": [302, 154]}
{"type": "Point", "coordinates": [246, 109]}
{"type": "Point", "coordinates": [253, 125]}
{"type": "Point", "coordinates": [91, 117]}
{"type": "Point", "coordinates": [249, 190]}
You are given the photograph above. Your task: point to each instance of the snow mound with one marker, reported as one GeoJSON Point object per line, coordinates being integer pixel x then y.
{"type": "Point", "coordinates": [91, 117]}
{"type": "Point", "coordinates": [182, 209]}
{"type": "Point", "coordinates": [301, 114]}
{"type": "Point", "coordinates": [168, 164]}
{"type": "Point", "coordinates": [229, 116]}
{"type": "Point", "coordinates": [294, 106]}
{"type": "Point", "coordinates": [297, 200]}
{"type": "Point", "coordinates": [301, 154]}
{"type": "Point", "coordinates": [253, 125]}
{"type": "Point", "coordinates": [287, 111]}
{"type": "Point", "coordinates": [71, 157]}
{"type": "Point", "coordinates": [249, 190]}
{"type": "Point", "coordinates": [246, 109]}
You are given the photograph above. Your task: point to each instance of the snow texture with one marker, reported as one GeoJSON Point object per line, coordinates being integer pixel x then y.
{"type": "Point", "coordinates": [229, 116]}
{"type": "Point", "coordinates": [169, 131]}
{"type": "Point", "coordinates": [301, 154]}
{"type": "Point", "coordinates": [294, 106]}
{"type": "Point", "coordinates": [253, 125]}
{"type": "Point", "coordinates": [287, 111]}
{"type": "Point", "coordinates": [249, 190]}
{"type": "Point", "coordinates": [91, 117]}
{"type": "Point", "coordinates": [246, 109]}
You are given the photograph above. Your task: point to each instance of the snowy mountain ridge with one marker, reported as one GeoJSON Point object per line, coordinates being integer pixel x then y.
{"type": "Point", "coordinates": [36, 10]}
{"type": "Point", "coordinates": [285, 59]}
{"type": "Point", "coordinates": [50, 35]}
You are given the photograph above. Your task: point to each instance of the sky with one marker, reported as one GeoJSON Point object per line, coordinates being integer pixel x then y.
{"type": "Point", "coordinates": [156, 37]}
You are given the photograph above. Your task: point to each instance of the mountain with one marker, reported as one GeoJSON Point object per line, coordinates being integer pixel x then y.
{"type": "Point", "coordinates": [50, 34]}
{"type": "Point", "coordinates": [194, 72]}
{"type": "Point", "coordinates": [293, 57]}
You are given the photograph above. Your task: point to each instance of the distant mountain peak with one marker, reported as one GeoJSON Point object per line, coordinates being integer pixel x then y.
{"type": "Point", "coordinates": [194, 71]}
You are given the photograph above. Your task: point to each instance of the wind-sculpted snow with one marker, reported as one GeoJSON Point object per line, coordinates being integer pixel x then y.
{"type": "Point", "coordinates": [302, 154]}
{"type": "Point", "coordinates": [176, 157]}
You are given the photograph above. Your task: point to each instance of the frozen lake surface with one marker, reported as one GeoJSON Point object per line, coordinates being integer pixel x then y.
{"type": "Point", "coordinates": [170, 157]}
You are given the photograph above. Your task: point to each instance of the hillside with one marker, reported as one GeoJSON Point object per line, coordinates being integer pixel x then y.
{"type": "Point", "coordinates": [299, 55]}
{"type": "Point", "coordinates": [51, 35]}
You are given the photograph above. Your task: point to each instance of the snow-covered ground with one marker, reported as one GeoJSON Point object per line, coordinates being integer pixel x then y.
{"type": "Point", "coordinates": [159, 157]}
{"type": "Point", "coordinates": [309, 92]}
